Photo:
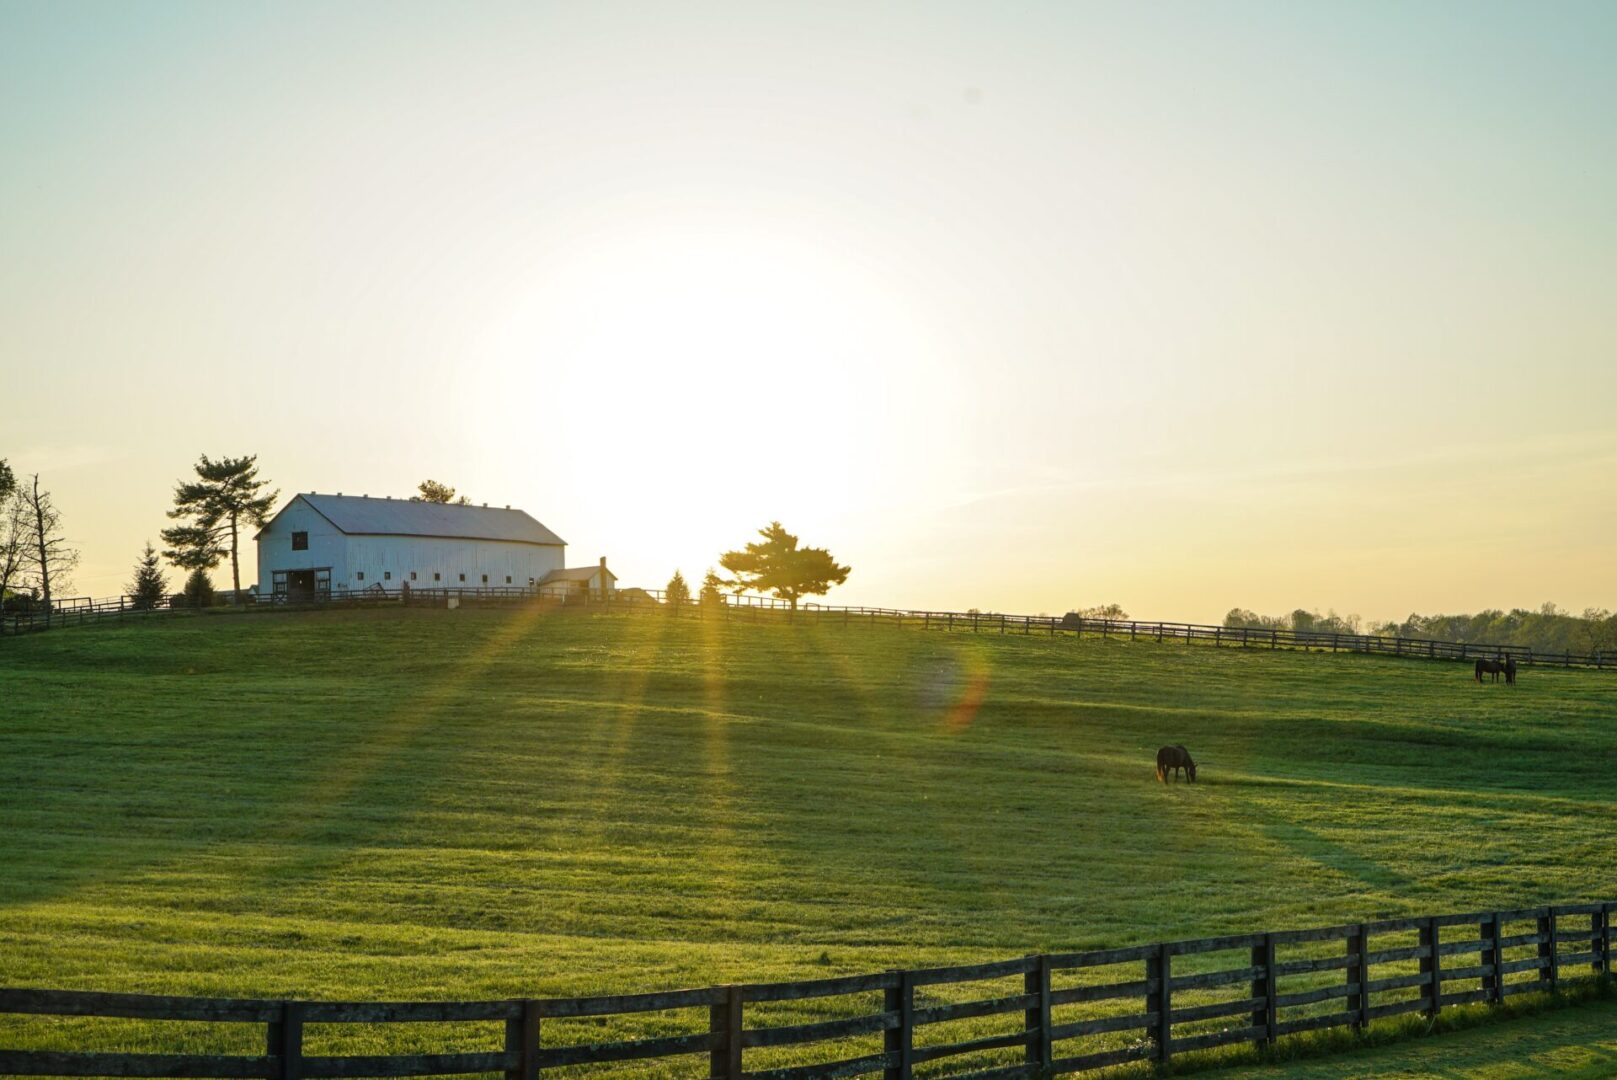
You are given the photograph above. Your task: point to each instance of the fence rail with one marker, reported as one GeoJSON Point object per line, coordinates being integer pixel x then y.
{"type": "Point", "coordinates": [1142, 1009]}
{"type": "Point", "coordinates": [80, 610]}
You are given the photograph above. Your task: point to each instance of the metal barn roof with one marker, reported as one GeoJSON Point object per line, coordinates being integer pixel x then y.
{"type": "Point", "coordinates": [361, 514]}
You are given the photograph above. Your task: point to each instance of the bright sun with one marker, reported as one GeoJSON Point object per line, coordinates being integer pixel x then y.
{"type": "Point", "coordinates": [684, 359]}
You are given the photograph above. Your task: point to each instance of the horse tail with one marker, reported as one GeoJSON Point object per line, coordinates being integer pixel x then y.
{"type": "Point", "coordinates": [1160, 777]}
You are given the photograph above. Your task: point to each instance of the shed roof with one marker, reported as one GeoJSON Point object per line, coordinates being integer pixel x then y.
{"type": "Point", "coordinates": [363, 515]}
{"type": "Point", "coordinates": [577, 573]}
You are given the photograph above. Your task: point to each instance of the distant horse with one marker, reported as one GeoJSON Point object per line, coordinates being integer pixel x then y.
{"type": "Point", "coordinates": [1495, 668]}
{"type": "Point", "coordinates": [1170, 759]}
{"type": "Point", "coordinates": [1510, 670]}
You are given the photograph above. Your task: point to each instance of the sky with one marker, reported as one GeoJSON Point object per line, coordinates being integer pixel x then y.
{"type": "Point", "coordinates": [1020, 306]}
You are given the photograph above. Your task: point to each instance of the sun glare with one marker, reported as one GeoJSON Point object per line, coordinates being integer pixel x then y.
{"type": "Point", "coordinates": [686, 359]}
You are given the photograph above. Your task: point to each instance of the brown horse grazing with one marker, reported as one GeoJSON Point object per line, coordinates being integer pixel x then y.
{"type": "Point", "coordinates": [1170, 759]}
{"type": "Point", "coordinates": [1495, 668]}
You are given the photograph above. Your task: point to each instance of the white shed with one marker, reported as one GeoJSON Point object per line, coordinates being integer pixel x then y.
{"type": "Point", "coordinates": [318, 544]}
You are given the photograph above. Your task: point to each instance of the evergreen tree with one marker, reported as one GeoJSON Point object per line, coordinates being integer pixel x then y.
{"type": "Point", "coordinates": [434, 492]}
{"type": "Point", "coordinates": [678, 594]}
{"type": "Point", "coordinates": [149, 587]}
{"type": "Point", "coordinates": [226, 495]}
{"type": "Point", "coordinates": [712, 589]}
{"type": "Point", "coordinates": [198, 589]}
{"type": "Point", "coordinates": [779, 566]}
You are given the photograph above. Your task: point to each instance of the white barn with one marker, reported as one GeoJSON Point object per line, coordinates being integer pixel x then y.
{"type": "Point", "coordinates": [318, 544]}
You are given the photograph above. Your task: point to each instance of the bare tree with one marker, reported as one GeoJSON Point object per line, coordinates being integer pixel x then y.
{"type": "Point", "coordinates": [13, 542]}
{"type": "Point", "coordinates": [47, 558]}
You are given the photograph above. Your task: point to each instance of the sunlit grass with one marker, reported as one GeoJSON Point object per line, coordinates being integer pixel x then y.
{"type": "Point", "coordinates": [491, 804]}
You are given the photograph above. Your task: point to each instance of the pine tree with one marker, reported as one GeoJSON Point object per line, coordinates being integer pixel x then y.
{"type": "Point", "coordinates": [434, 492]}
{"type": "Point", "coordinates": [149, 587]}
{"type": "Point", "coordinates": [779, 566]}
{"type": "Point", "coordinates": [678, 594]}
{"type": "Point", "coordinates": [198, 589]}
{"type": "Point", "coordinates": [712, 589]}
{"type": "Point", "coordinates": [226, 495]}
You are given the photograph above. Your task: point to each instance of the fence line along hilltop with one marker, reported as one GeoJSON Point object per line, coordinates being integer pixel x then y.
{"type": "Point", "coordinates": [1066, 1012]}
{"type": "Point", "coordinates": [82, 610]}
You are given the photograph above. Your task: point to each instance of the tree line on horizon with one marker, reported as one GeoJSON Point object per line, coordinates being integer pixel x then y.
{"type": "Point", "coordinates": [1549, 629]}
{"type": "Point", "coordinates": [227, 495]}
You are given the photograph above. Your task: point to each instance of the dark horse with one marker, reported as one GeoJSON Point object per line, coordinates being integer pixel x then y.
{"type": "Point", "coordinates": [1170, 759]}
{"type": "Point", "coordinates": [1496, 668]}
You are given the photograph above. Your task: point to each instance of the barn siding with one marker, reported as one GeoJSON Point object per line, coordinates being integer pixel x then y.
{"type": "Point", "coordinates": [327, 546]}
{"type": "Point", "coordinates": [427, 555]}
{"type": "Point", "coordinates": [374, 556]}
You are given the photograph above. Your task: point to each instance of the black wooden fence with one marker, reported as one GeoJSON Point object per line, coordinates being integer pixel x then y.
{"type": "Point", "coordinates": [1068, 1012]}
{"type": "Point", "coordinates": [81, 610]}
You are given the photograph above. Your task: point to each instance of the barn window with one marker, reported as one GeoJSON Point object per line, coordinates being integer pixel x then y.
{"type": "Point", "coordinates": [300, 541]}
{"type": "Point", "coordinates": [387, 575]}
{"type": "Point", "coordinates": [362, 575]}
{"type": "Point", "coordinates": [463, 577]}
{"type": "Point", "coordinates": [508, 579]}
{"type": "Point", "coordinates": [436, 576]}
{"type": "Point", "coordinates": [485, 579]}
{"type": "Point", "coordinates": [412, 575]}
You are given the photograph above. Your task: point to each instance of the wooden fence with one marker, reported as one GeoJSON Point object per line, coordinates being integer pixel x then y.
{"type": "Point", "coordinates": [1069, 1012]}
{"type": "Point", "coordinates": [81, 610]}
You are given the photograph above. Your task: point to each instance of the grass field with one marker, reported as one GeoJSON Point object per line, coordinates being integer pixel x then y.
{"type": "Point", "coordinates": [1573, 1044]}
{"type": "Point", "coordinates": [489, 804]}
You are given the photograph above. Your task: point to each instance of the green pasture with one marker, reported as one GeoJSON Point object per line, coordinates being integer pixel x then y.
{"type": "Point", "coordinates": [483, 804]}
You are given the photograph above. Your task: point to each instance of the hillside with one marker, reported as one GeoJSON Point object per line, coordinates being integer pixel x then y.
{"type": "Point", "coordinates": [486, 804]}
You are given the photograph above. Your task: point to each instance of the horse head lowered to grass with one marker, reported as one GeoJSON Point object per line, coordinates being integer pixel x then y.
{"type": "Point", "coordinates": [1172, 759]}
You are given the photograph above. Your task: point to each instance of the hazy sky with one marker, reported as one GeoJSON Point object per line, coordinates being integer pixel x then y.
{"type": "Point", "coordinates": [1021, 306]}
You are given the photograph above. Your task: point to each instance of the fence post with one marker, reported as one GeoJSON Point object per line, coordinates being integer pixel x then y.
{"type": "Point", "coordinates": [1492, 982]}
{"type": "Point", "coordinates": [1547, 929]}
{"type": "Point", "coordinates": [285, 1042]}
{"type": "Point", "coordinates": [1431, 966]}
{"type": "Point", "coordinates": [1358, 945]}
{"type": "Point", "coordinates": [899, 1042]}
{"type": "Point", "coordinates": [1036, 983]}
{"type": "Point", "coordinates": [522, 1039]}
{"type": "Point", "coordinates": [1263, 986]}
{"type": "Point", "coordinates": [1605, 939]}
{"type": "Point", "coordinates": [724, 1020]}
{"type": "Point", "coordinates": [1160, 968]}
{"type": "Point", "coordinates": [1597, 920]}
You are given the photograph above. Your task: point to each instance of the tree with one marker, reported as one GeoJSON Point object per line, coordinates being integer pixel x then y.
{"type": "Point", "coordinates": [678, 594]}
{"type": "Point", "coordinates": [779, 566]}
{"type": "Point", "coordinates": [13, 542]}
{"type": "Point", "coordinates": [198, 589]}
{"type": "Point", "coordinates": [8, 481]}
{"type": "Point", "coordinates": [712, 589]}
{"type": "Point", "coordinates": [46, 556]}
{"type": "Point", "coordinates": [434, 492]}
{"type": "Point", "coordinates": [226, 495]}
{"type": "Point", "coordinates": [149, 587]}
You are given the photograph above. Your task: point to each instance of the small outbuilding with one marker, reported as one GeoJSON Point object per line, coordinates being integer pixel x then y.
{"type": "Point", "coordinates": [319, 544]}
{"type": "Point", "coordinates": [581, 580]}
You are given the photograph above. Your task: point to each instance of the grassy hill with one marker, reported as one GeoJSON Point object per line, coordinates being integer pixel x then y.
{"type": "Point", "coordinates": [484, 804]}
